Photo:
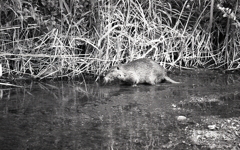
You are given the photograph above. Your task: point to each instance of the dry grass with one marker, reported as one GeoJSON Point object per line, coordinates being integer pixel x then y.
{"type": "Point", "coordinates": [174, 34]}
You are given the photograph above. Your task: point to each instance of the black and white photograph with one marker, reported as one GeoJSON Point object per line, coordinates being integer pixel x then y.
{"type": "Point", "coordinates": [119, 74]}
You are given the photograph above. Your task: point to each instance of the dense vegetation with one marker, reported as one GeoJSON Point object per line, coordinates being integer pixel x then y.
{"type": "Point", "coordinates": [57, 38]}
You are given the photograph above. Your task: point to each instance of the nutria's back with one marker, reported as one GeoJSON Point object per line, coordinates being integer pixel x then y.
{"type": "Point", "coordinates": [142, 70]}
{"type": "Point", "coordinates": [146, 69]}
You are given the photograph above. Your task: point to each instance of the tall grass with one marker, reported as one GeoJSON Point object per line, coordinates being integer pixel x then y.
{"type": "Point", "coordinates": [67, 39]}
{"type": "Point", "coordinates": [170, 32]}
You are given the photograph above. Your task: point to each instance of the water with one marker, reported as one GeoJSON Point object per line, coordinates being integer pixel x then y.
{"type": "Point", "coordinates": [73, 115]}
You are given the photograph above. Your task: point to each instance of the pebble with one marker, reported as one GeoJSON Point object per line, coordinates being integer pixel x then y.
{"type": "Point", "coordinates": [181, 118]}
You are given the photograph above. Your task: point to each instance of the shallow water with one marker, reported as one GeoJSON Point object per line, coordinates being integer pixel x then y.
{"type": "Point", "coordinates": [74, 115]}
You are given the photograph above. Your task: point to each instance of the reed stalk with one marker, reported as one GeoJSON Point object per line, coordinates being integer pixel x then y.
{"type": "Point", "coordinates": [89, 37]}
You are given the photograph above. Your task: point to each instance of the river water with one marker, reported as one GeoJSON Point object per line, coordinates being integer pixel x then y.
{"type": "Point", "coordinates": [87, 115]}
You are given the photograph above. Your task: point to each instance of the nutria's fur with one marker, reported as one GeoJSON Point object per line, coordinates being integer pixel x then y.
{"type": "Point", "coordinates": [142, 70]}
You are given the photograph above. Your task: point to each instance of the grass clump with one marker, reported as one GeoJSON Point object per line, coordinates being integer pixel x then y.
{"type": "Point", "coordinates": [63, 38]}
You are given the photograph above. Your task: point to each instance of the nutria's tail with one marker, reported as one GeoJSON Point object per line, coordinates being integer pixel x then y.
{"type": "Point", "coordinates": [170, 80]}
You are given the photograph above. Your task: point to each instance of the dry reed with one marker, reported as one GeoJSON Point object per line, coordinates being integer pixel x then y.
{"type": "Point", "coordinates": [91, 36]}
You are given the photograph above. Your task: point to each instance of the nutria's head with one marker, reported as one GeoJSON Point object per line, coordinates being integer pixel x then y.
{"type": "Point", "coordinates": [114, 73]}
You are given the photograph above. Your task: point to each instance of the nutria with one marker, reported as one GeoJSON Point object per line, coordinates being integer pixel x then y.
{"type": "Point", "coordinates": [141, 70]}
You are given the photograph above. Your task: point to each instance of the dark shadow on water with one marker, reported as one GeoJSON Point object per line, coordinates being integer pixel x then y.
{"type": "Point", "coordinates": [74, 115]}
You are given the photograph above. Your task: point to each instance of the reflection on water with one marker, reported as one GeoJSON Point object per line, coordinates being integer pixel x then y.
{"type": "Point", "coordinates": [73, 115]}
